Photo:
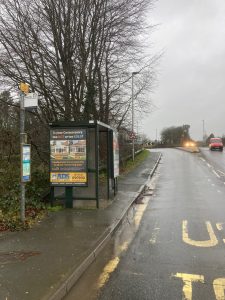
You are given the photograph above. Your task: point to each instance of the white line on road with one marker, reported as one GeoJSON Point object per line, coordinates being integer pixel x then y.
{"type": "Point", "coordinates": [222, 173]}
{"type": "Point", "coordinates": [216, 173]}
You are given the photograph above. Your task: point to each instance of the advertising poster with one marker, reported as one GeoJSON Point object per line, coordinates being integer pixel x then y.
{"type": "Point", "coordinates": [26, 174]}
{"type": "Point", "coordinates": [116, 158]}
{"type": "Point", "coordinates": [68, 157]}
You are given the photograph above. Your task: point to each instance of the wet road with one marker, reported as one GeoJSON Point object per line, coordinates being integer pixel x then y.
{"type": "Point", "coordinates": [216, 159]}
{"type": "Point", "coordinates": [178, 251]}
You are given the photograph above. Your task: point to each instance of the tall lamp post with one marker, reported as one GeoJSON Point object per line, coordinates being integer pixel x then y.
{"type": "Point", "coordinates": [133, 74]}
{"type": "Point", "coordinates": [203, 131]}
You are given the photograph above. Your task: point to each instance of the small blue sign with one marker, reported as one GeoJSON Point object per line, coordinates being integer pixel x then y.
{"type": "Point", "coordinates": [26, 157]}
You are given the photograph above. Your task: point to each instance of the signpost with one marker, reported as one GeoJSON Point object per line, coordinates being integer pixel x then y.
{"type": "Point", "coordinates": [24, 89]}
{"type": "Point", "coordinates": [27, 100]}
{"type": "Point", "coordinates": [132, 136]}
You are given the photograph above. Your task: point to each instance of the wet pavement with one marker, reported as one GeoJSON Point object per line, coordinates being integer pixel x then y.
{"type": "Point", "coordinates": [43, 262]}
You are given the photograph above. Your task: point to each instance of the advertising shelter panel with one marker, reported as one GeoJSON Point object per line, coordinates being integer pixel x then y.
{"type": "Point", "coordinates": [68, 157]}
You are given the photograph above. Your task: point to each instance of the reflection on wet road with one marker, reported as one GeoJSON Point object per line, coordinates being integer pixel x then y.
{"type": "Point", "coordinates": [215, 160]}
{"type": "Point", "coordinates": [107, 262]}
{"type": "Point", "coordinates": [179, 245]}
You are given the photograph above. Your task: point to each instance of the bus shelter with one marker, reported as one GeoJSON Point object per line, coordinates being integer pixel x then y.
{"type": "Point", "coordinates": [84, 161]}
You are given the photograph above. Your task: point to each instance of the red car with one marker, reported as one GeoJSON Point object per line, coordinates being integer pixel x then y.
{"type": "Point", "coordinates": [216, 143]}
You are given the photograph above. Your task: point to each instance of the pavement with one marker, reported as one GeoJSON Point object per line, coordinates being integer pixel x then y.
{"type": "Point", "coordinates": [46, 261]}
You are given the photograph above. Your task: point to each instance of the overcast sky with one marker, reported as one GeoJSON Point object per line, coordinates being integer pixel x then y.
{"type": "Point", "coordinates": [191, 81]}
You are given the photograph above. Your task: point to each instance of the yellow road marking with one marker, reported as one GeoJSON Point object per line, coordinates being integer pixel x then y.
{"type": "Point", "coordinates": [139, 214]}
{"type": "Point", "coordinates": [219, 226]}
{"type": "Point", "coordinates": [109, 268]}
{"type": "Point", "coordinates": [123, 247]}
{"type": "Point", "coordinates": [113, 263]}
{"type": "Point", "coordinates": [187, 287]}
{"type": "Point", "coordinates": [219, 288]}
{"type": "Point", "coordinates": [208, 243]}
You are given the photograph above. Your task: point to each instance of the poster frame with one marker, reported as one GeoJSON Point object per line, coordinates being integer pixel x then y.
{"type": "Point", "coordinates": [69, 184]}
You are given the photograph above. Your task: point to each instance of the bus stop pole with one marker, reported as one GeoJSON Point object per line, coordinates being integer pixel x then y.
{"type": "Point", "coordinates": [108, 165]}
{"type": "Point", "coordinates": [97, 164]}
{"type": "Point", "coordinates": [133, 116]}
{"type": "Point", "coordinates": [22, 141]}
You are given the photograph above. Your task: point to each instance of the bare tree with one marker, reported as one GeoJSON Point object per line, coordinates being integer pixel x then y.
{"type": "Point", "coordinates": [78, 55]}
{"type": "Point", "coordinates": [9, 121]}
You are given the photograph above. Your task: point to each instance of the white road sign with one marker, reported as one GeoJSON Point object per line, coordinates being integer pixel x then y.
{"type": "Point", "coordinates": [31, 100]}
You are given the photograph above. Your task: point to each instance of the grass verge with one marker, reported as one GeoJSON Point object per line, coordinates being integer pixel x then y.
{"type": "Point", "coordinates": [130, 164]}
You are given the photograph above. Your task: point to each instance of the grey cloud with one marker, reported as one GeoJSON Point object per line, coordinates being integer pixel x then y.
{"type": "Point", "coordinates": [191, 84]}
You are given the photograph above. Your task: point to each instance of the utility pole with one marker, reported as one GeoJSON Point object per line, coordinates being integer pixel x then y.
{"type": "Point", "coordinates": [133, 73]}
{"type": "Point", "coordinates": [203, 131]}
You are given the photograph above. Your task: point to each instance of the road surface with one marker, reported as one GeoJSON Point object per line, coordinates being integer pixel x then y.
{"type": "Point", "coordinates": [178, 251]}
{"type": "Point", "coordinates": [216, 159]}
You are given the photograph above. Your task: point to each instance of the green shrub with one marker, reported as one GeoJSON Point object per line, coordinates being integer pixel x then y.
{"type": "Point", "coordinates": [10, 196]}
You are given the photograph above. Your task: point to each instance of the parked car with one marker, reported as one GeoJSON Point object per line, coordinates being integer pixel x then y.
{"type": "Point", "coordinates": [216, 144]}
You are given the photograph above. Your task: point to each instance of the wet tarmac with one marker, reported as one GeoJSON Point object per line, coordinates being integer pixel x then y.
{"type": "Point", "coordinates": [177, 252]}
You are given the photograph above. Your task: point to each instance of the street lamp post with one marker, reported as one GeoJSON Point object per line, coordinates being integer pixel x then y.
{"type": "Point", "coordinates": [133, 74]}
{"type": "Point", "coordinates": [203, 131]}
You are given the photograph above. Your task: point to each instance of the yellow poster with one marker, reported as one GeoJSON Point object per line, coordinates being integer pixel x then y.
{"type": "Point", "coordinates": [69, 178]}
